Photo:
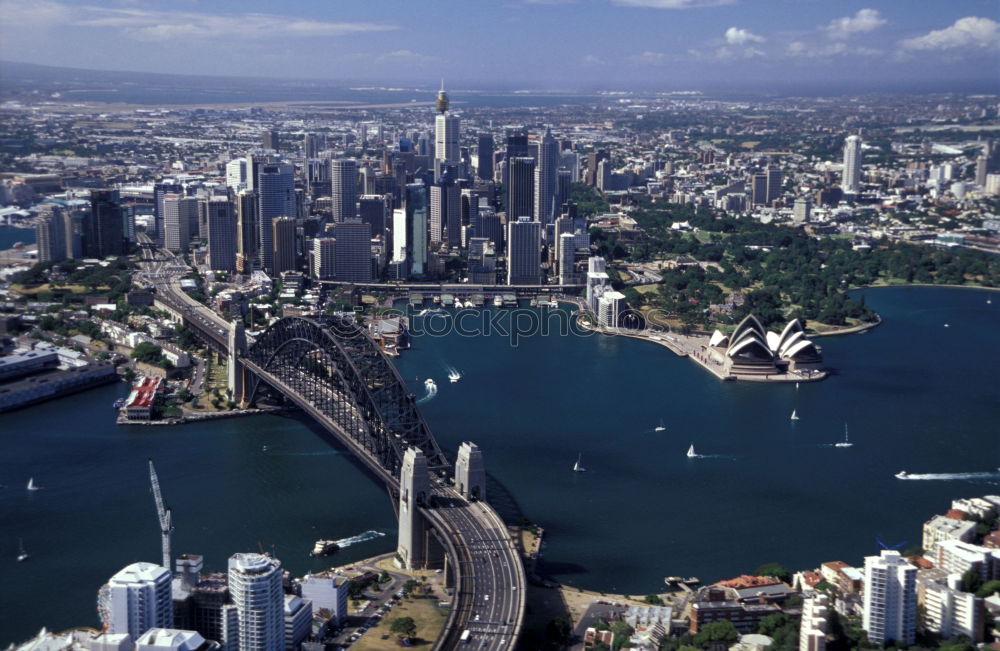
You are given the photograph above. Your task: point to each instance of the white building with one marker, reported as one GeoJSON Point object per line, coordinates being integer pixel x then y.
{"type": "Point", "coordinates": [610, 306]}
{"type": "Point", "coordinates": [323, 257]}
{"type": "Point", "coordinates": [597, 281]}
{"type": "Point", "coordinates": [957, 557]}
{"type": "Point", "coordinates": [948, 611]}
{"type": "Point", "coordinates": [172, 639]}
{"type": "Point", "coordinates": [567, 254]}
{"type": "Point", "coordinates": [890, 602]}
{"type": "Point", "coordinates": [941, 528]}
{"type": "Point", "coordinates": [446, 128]}
{"type": "Point", "coordinates": [813, 627]}
{"type": "Point", "coordinates": [327, 591]}
{"type": "Point", "coordinates": [236, 174]}
{"type": "Point", "coordinates": [298, 621]}
{"type": "Point", "coordinates": [851, 183]}
{"type": "Point", "coordinates": [179, 215]}
{"type": "Point", "coordinates": [256, 591]}
{"type": "Point", "coordinates": [137, 599]}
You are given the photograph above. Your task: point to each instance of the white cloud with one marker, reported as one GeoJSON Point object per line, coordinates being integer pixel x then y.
{"type": "Point", "coordinates": [800, 49]}
{"type": "Point", "coordinates": [673, 4]}
{"type": "Point", "coordinates": [968, 32]}
{"type": "Point", "coordinates": [865, 20]}
{"type": "Point", "coordinates": [398, 57]}
{"type": "Point", "coordinates": [650, 58]}
{"type": "Point", "coordinates": [591, 60]}
{"type": "Point", "coordinates": [740, 36]}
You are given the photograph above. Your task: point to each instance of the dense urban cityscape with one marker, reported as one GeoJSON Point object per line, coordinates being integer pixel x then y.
{"type": "Point", "coordinates": [304, 255]}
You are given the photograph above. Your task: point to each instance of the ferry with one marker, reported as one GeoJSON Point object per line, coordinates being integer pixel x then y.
{"type": "Point", "coordinates": [324, 547]}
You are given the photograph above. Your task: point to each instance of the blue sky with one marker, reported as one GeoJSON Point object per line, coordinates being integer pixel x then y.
{"type": "Point", "coordinates": [531, 43]}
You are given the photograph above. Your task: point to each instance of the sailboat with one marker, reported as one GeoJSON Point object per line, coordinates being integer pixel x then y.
{"type": "Point", "coordinates": [691, 454]}
{"type": "Point", "coordinates": [578, 467]}
{"type": "Point", "coordinates": [661, 427]}
{"type": "Point", "coordinates": [846, 443]}
{"type": "Point", "coordinates": [794, 415]}
{"type": "Point", "coordinates": [21, 554]}
{"type": "Point", "coordinates": [32, 486]}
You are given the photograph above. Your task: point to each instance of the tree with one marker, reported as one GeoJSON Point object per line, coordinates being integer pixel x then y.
{"type": "Point", "coordinates": [622, 633]}
{"type": "Point", "coordinates": [404, 627]}
{"type": "Point", "coordinates": [558, 629]}
{"type": "Point", "coordinates": [988, 588]}
{"type": "Point", "coordinates": [971, 581]}
{"type": "Point", "coordinates": [776, 570]}
{"type": "Point", "coordinates": [384, 577]}
{"type": "Point", "coordinates": [653, 600]}
{"type": "Point", "coordinates": [149, 353]}
{"type": "Point", "coordinates": [716, 632]}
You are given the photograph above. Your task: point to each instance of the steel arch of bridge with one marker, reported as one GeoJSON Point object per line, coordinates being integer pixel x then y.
{"type": "Point", "coordinates": [333, 366]}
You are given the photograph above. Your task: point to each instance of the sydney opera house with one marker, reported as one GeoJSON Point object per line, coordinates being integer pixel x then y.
{"type": "Point", "coordinates": [752, 351]}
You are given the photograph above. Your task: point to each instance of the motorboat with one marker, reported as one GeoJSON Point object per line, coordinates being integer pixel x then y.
{"type": "Point", "coordinates": [454, 376]}
{"type": "Point", "coordinates": [902, 474]}
{"type": "Point", "coordinates": [661, 427]}
{"type": "Point", "coordinates": [21, 554]}
{"type": "Point", "coordinates": [846, 443]}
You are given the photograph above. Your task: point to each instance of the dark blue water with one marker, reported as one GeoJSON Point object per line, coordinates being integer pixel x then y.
{"type": "Point", "coordinates": [916, 396]}
{"type": "Point", "coordinates": [9, 235]}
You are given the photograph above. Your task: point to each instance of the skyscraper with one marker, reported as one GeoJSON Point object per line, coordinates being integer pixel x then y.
{"type": "Point", "coordinates": [323, 258]}
{"type": "Point", "coordinates": [446, 128]}
{"type": "Point", "coordinates": [344, 188]}
{"type": "Point", "coordinates": [564, 189]}
{"type": "Point", "coordinates": [256, 591]}
{"type": "Point", "coordinates": [524, 250]}
{"type": "Point", "coordinates": [567, 253]}
{"type": "Point", "coordinates": [890, 606]}
{"type": "Point", "coordinates": [270, 140]}
{"type": "Point", "coordinates": [247, 230]}
{"type": "Point", "coordinates": [221, 234]}
{"type": "Point", "coordinates": [136, 599]}
{"type": "Point", "coordinates": [284, 256]}
{"type": "Point", "coordinates": [104, 226]}
{"type": "Point", "coordinates": [415, 207]}
{"type": "Point", "coordinates": [446, 212]}
{"type": "Point", "coordinates": [484, 168]}
{"type": "Point", "coordinates": [851, 183]}
{"type": "Point", "coordinates": [178, 213]}
{"type": "Point", "coordinates": [545, 179]}
{"type": "Point", "coordinates": [275, 198]}
{"type": "Point", "coordinates": [373, 208]}
{"type": "Point", "coordinates": [50, 233]}
{"type": "Point", "coordinates": [352, 258]}
{"type": "Point", "coordinates": [160, 190]}
{"type": "Point", "coordinates": [774, 180]}
{"type": "Point", "coordinates": [236, 174]}
{"type": "Point", "coordinates": [758, 189]}
{"type": "Point", "coordinates": [521, 188]}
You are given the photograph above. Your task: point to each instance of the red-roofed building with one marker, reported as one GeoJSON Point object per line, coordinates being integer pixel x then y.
{"type": "Point", "coordinates": [139, 405]}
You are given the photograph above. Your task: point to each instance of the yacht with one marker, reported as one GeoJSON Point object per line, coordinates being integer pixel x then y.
{"type": "Point", "coordinates": [578, 467]}
{"type": "Point", "coordinates": [846, 443]}
{"type": "Point", "coordinates": [902, 474]}
{"type": "Point", "coordinates": [21, 554]}
{"type": "Point", "coordinates": [691, 453]}
{"type": "Point", "coordinates": [661, 427]}
{"type": "Point", "coordinates": [794, 415]}
{"type": "Point", "coordinates": [32, 486]}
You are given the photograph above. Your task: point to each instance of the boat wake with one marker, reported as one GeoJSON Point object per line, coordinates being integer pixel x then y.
{"type": "Point", "coordinates": [432, 390]}
{"type": "Point", "coordinates": [454, 375]}
{"type": "Point", "coordinates": [360, 538]}
{"type": "Point", "coordinates": [946, 476]}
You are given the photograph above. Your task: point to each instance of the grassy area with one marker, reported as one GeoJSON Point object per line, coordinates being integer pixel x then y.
{"type": "Point", "coordinates": [218, 377]}
{"type": "Point", "coordinates": [428, 617]}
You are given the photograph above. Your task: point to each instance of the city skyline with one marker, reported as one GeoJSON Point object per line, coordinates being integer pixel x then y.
{"type": "Point", "coordinates": [564, 44]}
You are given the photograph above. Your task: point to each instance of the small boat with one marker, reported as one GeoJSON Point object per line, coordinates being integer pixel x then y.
{"type": "Point", "coordinates": [661, 427]}
{"type": "Point", "coordinates": [32, 486]}
{"type": "Point", "coordinates": [796, 386]}
{"type": "Point", "coordinates": [21, 554]}
{"type": "Point", "coordinates": [902, 474]}
{"type": "Point", "coordinates": [263, 448]}
{"type": "Point", "coordinates": [578, 466]}
{"type": "Point", "coordinates": [794, 415]}
{"type": "Point", "coordinates": [498, 301]}
{"type": "Point", "coordinates": [946, 325]}
{"type": "Point", "coordinates": [454, 376]}
{"type": "Point", "coordinates": [430, 384]}
{"type": "Point", "coordinates": [846, 443]}
{"type": "Point", "coordinates": [119, 403]}
{"type": "Point", "coordinates": [691, 454]}
{"type": "Point", "coordinates": [324, 547]}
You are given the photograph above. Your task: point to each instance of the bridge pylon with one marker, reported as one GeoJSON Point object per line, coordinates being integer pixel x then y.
{"type": "Point", "coordinates": [414, 492]}
{"type": "Point", "coordinates": [237, 371]}
{"type": "Point", "coordinates": [470, 472]}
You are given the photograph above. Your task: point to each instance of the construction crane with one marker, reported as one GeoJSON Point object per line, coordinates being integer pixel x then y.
{"type": "Point", "coordinates": [164, 514]}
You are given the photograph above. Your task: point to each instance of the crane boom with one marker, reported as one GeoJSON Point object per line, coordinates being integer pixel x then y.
{"type": "Point", "coordinates": [163, 514]}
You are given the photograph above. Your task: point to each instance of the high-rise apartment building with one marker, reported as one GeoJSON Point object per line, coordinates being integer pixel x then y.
{"type": "Point", "coordinates": [275, 198]}
{"type": "Point", "coordinates": [221, 222]}
{"type": "Point", "coordinates": [256, 591]}
{"type": "Point", "coordinates": [890, 600]}
{"type": "Point", "coordinates": [566, 247]}
{"type": "Point", "coordinates": [285, 253]}
{"type": "Point", "coordinates": [343, 189]}
{"type": "Point", "coordinates": [50, 233]}
{"type": "Point", "coordinates": [851, 183]}
{"type": "Point", "coordinates": [524, 250]}
{"type": "Point", "coordinates": [136, 599]}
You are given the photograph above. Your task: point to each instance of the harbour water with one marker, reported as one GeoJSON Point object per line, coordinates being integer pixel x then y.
{"type": "Point", "coordinates": [10, 235]}
{"type": "Point", "coordinates": [916, 395]}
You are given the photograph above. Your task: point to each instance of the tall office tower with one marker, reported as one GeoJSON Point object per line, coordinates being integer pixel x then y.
{"type": "Point", "coordinates": [517, 147]}
{"type": "Point", "coordinates": [446, 212]}
{"type": "Point", "coordinates": [982, 168]}
{"type": "Point", "coordinates": [256, 591]}
{"type": "Point", "coordinates": [236, 173]}
{"type": "Point", "coordinates": [488, 225]}
{"type": "Point", "coordinates": [851, 182]}
{"type": "Point", "coordinates": [373, 209]}
{"type": "Point", "coordinates": [352, 258]}
{"type": "Point", "coordinates": [774, 179]}
{"type": "Point", "coordinates": [178, 212]}
{"type": "Point", "coordinates": [814, 624]}
{"type": "Point", "coordinates": [521, 188]}
{"type": "Point", "coordinates": [446, 128]}
{"type": "Point", "coordinates": [562, 226]}
{"type": "Point", "coordinates": [50, 233]}
{"type": "Point", "coordinates": [415, 207]}
{"type": "Point", "coordinates": [344, 188]}
{"type": "Point", "coordinates": [484, 166]}
{"type": "Point", "coordinates": [570, 160]}
{"type": "Point", "coordinates": [890, 605]}
{"type": "Point", "coordinates": [284, 256]}
{"type": "Point", "coordinates": [564, 189]}
{"type": "Point", "coordinates": [802, 210]}
{"type": "Point", "coordinates": [311, 145]}
{"type": "Point", "coordinates": [104, 225]}
{"type": "Point", "coordinates": [136, 599]}
{"type": "Point", "coordinates": [567, 253]}
{"type": "Point", "coordinates": [759, 189]}
{"type": "Point", "coordinates": [323, 258]}
{"type": "Point", "coordinates": [247, 230]}
{"type": "Point", "coordinates": [221, 234]}
{"type": "Point", "coordinates": [414, 488]}
{"type": "Point", "coordinates": [470, 212]}
{"type": "Point", "coordinates": [275, 198]}
{"type": "Point", "coordinates": [160, 190]}
{"type": "Point", "coordinates": [270, 140]}
{"type": "Point", "coordinates": [524, 251]}
{"type": "Point", "coordinates": [545, 179]}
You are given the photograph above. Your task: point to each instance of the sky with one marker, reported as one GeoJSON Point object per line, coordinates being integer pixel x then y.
{"type": "Point", "coordinates": [554, 44]}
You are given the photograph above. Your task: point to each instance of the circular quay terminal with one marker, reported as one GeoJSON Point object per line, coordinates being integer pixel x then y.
{"type": "Point", "coordinates": [512, 325]}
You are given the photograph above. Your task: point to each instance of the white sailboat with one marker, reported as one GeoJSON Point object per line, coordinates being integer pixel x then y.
{"type": "Point", "coordinates": [21, 554]}
{"type": "Point", "coordinates": [691, 454]}
{"type": "Point", "coordinates": [794, 415]}
{"type": "Point", "coordinates": [578, 467]}
{"type": "Point", "coordinates": [846, 443]}
{"type": "Point", "coordinates": [661, 427]}
{"type": "Point", "coordinates": [32, 486]}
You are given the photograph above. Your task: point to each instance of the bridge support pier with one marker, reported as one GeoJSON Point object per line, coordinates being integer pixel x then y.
{"type": "Point", "coordinates": [414, 489]}
{"type": "Point", "coordinates": [237, 371]}
{"type": "Point", "coordinates": [470, 472]}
